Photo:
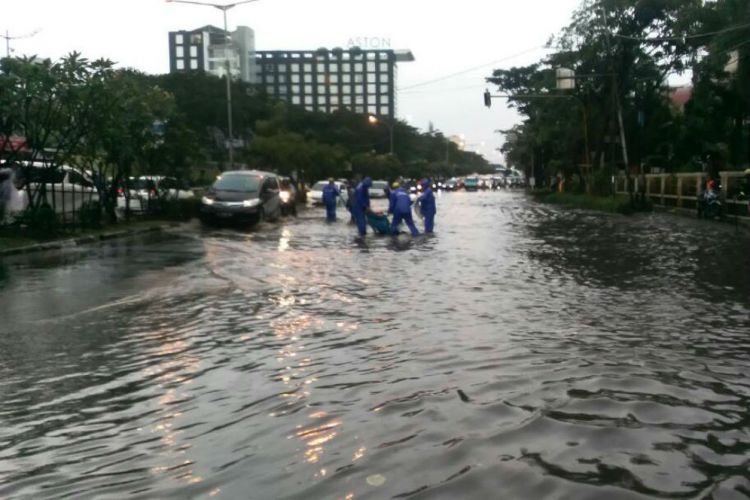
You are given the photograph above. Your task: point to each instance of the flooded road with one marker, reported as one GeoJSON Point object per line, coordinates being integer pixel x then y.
{"type": "Point", "coordinates": [525, 351]}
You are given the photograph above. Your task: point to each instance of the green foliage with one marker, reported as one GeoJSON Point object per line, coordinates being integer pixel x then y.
{"type": "Point", "coordinates": [90, 216]}
{"type": "Point", "coordinates": [39, 220]}
{"type": "Point", "coordinates": [622, 52]}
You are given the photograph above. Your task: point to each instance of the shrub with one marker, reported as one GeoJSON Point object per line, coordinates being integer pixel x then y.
{"type": "Point", "coordinates": [90, 215]}
{"type": "Point", "coordinates": [181, 209]}
{"type": "Point", "coordinates": [42, 219]}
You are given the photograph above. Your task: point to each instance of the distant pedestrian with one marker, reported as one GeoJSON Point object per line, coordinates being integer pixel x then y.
{"type": "Point", "coordinates": [361, 205]}
{"type": "Point", "coordinates": [427, 207]}
{"type": "Point", "coordinates": [402, 212]}
{"type": "Point", "coordinates": [350, 201]}
{"type": "Point", "coordinates": [330, 194]}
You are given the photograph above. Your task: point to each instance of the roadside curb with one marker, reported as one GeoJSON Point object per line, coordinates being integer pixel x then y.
{"type": "Point", "coordinates": [82, 240]}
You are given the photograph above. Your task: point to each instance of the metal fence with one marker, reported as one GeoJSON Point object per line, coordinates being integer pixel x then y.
{"type": "Point", "coordinates": [683, 190]}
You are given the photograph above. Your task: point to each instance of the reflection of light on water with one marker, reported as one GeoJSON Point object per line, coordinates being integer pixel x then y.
{"type": "Point", "coordinates": [359, 454]}
{"type": "Point", "coordinates": [315, 438]}
{"type": "Point", "coordinates": [286, 236]}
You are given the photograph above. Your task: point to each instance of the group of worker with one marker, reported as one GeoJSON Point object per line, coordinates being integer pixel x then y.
{"type": "Point", "coordinates": [399, 206]}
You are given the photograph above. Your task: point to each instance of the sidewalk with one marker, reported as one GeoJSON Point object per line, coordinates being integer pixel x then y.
{"type": "Point", "coordinates": [97, 236]}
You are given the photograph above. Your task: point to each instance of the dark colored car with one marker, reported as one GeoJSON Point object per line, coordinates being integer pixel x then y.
{"type": "Point", "coordinates": [243, 196]}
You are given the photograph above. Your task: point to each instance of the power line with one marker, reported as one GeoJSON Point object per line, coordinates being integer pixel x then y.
{"type": "Point", "coordinates": [685, 37]}
{"type": "Point", "coordinates": [469, 70]}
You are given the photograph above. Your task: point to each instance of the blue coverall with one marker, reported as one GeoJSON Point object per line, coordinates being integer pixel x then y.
{"type": "Point", "coordinates": [428, 209]}
{"type": "Point", "coordinates": [361, 205]}
{"type": "Point", "coordinates": [330, 193]}
{"type": "Point", "coordinates": [402, 212]}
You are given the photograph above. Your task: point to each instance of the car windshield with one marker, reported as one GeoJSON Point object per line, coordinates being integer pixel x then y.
{"type": "Point", "coordinates": [237, 182]}
{"type": "Point", "coordinates": [379, 185]}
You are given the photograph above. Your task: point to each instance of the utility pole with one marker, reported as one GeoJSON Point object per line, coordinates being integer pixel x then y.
{"type": "Point", "coordinates": [8, 38]}
{"type": "Point", "coordinates": [616, 93]}
{"type": "Point", "coordinates": [224, 8]}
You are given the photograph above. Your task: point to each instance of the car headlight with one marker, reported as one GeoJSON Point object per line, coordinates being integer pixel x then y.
{"type": "Point", "coordinates": [207, 201]}
{"type": "Point", "coordinates": [250, 203]}
{"type": "Point", "coordinates": [285, 196]}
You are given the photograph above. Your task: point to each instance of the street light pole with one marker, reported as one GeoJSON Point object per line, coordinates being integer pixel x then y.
{"type": "Point", "coordinates": [228, 78]}
{"type": "Point", "coordinates": [374, 120]}
{"type": "Point", "coordinates": [224, 8]}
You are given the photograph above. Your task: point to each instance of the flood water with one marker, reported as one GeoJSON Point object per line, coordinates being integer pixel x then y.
{"type": "Point", "coordinates": [524, 352]}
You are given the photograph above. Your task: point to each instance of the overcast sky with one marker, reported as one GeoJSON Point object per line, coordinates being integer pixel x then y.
{"type": "Point", "coordinates": [445, 37]}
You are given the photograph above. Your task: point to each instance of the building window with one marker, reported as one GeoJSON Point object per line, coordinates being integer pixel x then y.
{"type": "Point", "coordinates": [283, 89]}
{"type": "Point", "coordinates": [384, 110]}
{"type": "Point", "coordinates": [359, 89]}
{"type": "Point", "coordinates": [282, 68]}
{"type": "Point", "coordinates": [270, 90]}
{"type": "Point", "coordinates": [308, 78]}
{"type": "Point", "coordinates": [309, 108]}
{"type": "Point", "coordinates": [321, 89]}
{"type": "Point", "coordinates": [384, 78]}
{"type": "Point", "coordinates": [384, 99]}
{"type": "Point", "coordinates": [333, 67]}
{"type": "Point", "coordinates": [196, 39]}
{"type": "Point", "coordinates": [295, 78]}
{"type": "Point", "coordinates": [180, 64]}
{"type": "Point", "coordinates": [296, 100]}
{"type": "Point", "coordinates": [334, 99]}
{"type": "Point", "coordinates": [321, 68]}
{"type": "Point", "coordinates": [282, 78]}
{"type": "Point", "coordinates": [308, 99]}
{"type": "Point", "coordinates": [359, 99]}
{"type": "Point", "coordinates": [359, 78]}
{"type": "Point", "coordinates": [179, 39]}
{"type": "Point", "coordinates": [372, 56]}
{"type": "Point", "coordinates": [347, 99]}
{"type": "Point", "coordinates": [334, 89]}
{"type": "Point", "coordinates": [270, 79]}
{"type": "Point", "coordinates": [180, 51]}
{"type": "Point", "coordinates": [372, 110]}
{"type": "Point", "coordinates": [371, 67]}
{"type": "Point", "coordinates": [322, 100]}
{"type": "Point", "coordinates": [308, 68]}
{"type": "Point", "coordinates": [193, 63]}
{"type": "Point", "coordinates": [193, 51]}
{"type": "Point", "coordinates": [308, 89]}
{"type": "Point", "coordinates": [358, 67]}
{"type": "Point", "coordinates": [384, 89]}
{"type": "Point", "coordinates": [294, 68]}
{"type": "Point", "coordinates": [384, 67]}
{"type": "Point", "coordinates": [346, 78]}
{"type": "Point", "coordinates": [346, 67]}
{"type": "Point", "coordinates": [359, 109]}
{"type": "Point", "coordinates": [333, 78]}
{"type": "Point", "coordinates": [295, 89]}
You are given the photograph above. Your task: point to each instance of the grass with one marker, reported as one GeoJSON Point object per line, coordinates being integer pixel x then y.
{"type": "Point", "coordinates": [11, 238]}
{"type": "Point", "coordinates": [619, 204]}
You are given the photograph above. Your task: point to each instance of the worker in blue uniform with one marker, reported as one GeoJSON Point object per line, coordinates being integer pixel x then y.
{"type": "Point", "coordinates": [392, 197]}
{"type": "Point", "coordinates": [361, 205]}
{"type": "Point", "coordinates": [427, 206]}
{"type": "Point", "coordinates": [330, 193]}
{"type": "Point", "coordinates": [402, 212]}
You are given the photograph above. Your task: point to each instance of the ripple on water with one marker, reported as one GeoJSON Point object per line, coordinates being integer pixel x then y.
{"type": "Point", "coordinates": [524, 352]}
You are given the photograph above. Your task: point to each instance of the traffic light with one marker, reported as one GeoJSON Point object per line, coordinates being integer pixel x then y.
{"type": "Point", "coordinates": [487, 98]}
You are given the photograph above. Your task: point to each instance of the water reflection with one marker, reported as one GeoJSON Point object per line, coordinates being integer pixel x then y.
{"type": "Point", "coordinates": [539, 352]}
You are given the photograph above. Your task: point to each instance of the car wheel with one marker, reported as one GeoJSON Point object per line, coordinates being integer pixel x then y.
{"type": "Point", "coordinates": [261, 215]}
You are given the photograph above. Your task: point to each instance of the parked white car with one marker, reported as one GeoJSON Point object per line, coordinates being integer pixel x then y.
{"type": "Point", "coordinates": [66, 189]}
{"type": "Point", "coordinates": [141, 191]}
{"type": "Point", "coordinates": [315, 195]}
